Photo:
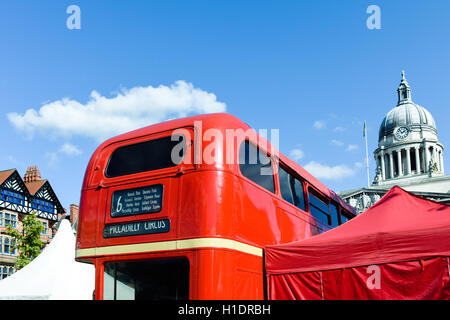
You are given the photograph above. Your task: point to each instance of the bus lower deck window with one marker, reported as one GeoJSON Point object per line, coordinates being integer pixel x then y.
{"type": "Point", "coordinates": [166, 279]}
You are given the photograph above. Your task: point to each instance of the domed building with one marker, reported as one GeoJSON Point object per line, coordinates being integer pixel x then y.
{"type": "Point", "coordinates": [408, 145]}
{"type": "Point", "coordinates": [409, 155]}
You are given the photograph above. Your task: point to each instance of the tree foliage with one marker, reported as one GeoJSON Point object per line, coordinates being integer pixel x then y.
{"type": "Point", "coordinates": [27, 241]}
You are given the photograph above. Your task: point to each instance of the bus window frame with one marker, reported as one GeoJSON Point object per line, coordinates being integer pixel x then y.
{"type": "Point", "coordinates": [276, 186]}
{"type": "Point", "coordinates": [338, 213]}
{"type": "Point", "coordinates": [105, 173]}
{"type": "Point", "coordinates": [344, 212]}
{"type": "Point", "coordinates": [324, 199]}
{"type": "Point", "coordinates": [100, 262]}
{"type": "Point", "coordinates": [105, 155]}
{"type": "Point", "coordinates": [291, 172]}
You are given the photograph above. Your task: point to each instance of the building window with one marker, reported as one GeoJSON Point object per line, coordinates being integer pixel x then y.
{"type": "Point", "coordinates": [256, 166]}
{"type": "Point", "coordinates": [6, 245]}
{"type": "Point", "coordinates": [45, 224]}
{"type": "Point", "coordinates": [12, 196]}
{"type": "Point", "coordinates": [43, 205]}
{"type": "Point", "coordinates": [7, 218]}
{"type": "Point", "coordinates": [5, 271]}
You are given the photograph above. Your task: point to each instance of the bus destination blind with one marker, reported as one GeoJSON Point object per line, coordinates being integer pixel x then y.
{"type": "Point", "coordinates": [137, 201]}
{"type": "Point", "coordinates": [136, 228]}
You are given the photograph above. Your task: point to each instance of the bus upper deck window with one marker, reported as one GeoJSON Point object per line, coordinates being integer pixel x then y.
{"type": "Point", "coordinates": [256, 166]}
{"type": "Point", "coordinates": [291, 189]}
{"type": "Point", "coordinates": [319, 209]}
{"type": "Point", "coordinates": [344, 217]}
{"type": "Point", "coordinates": [334, 215]}
{"type": "Point", "coordinates": [145, 156]}
{"type": "Point", "coordinates": [286, 185]}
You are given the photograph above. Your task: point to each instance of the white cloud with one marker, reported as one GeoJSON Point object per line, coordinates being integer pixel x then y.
{"type": "Point", "coordinates": [321, 171]}
{"type": "Point", "coordinates": [13, 160]}
{"type": "Point", "coordinates": [52, 158]}
{"type": "Point", "coordinates": [337, 143]}
{"type": "Point", "coordinates": [296, 154]}
{"type": "Point", "coordinates": [358, 165]}
{"type": "Point", "coordinates": [67, 149]}
{"type": "Point", "coordinates": [70, 150]}
{"type": "Point", "coordinates": [339, 129]}
{"type": "Point", "coordinates": [352, 147]}
{"type": "Point", "coordinates": [103, 117]}
{"type": "Point", "coordinates": [319, 124]}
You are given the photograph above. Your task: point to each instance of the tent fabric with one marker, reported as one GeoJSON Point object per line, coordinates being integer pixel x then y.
{"type": "Point", "coordinates": [400, 226]}
{"type": "Point", "coordinates": [400, 231]}
{"type": "Point", "coordinates": [408, 280]}
{"type": "Point", "coordinates": [53, 275]}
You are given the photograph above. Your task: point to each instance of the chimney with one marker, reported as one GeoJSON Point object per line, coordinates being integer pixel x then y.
{"type": "Point", "coordinates": [32, 174]}
{"type": "Point", "coordinates": [74, 211]}
{"type": "Point", "coordinates": [63, 214]}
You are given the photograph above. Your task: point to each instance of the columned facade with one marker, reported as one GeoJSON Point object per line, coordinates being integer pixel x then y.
{"type": "Point", "coordinates": [412, 160]}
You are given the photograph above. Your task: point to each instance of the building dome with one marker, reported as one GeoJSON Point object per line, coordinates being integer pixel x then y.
{"type": "Point", "coordinates": [408, 145]}
{"type": "Point", "coordinates": [408, 115]}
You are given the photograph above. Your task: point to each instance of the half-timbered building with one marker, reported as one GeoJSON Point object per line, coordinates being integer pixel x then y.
{"type": "Point", "coordinates": [18, 198]}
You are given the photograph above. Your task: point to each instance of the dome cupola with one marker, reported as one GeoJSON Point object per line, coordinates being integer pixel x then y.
{"type": "Point", "coordinates": [404, 91]}
{"type": "Point", "coordinates": [406, 115]}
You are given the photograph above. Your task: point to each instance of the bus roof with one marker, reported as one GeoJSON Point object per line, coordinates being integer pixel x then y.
{"type": "Point", "coordinates": [219, 121]}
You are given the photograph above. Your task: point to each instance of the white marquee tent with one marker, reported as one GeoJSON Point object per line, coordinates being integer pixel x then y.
{"type": "Point", "coordinates": [53, 275]}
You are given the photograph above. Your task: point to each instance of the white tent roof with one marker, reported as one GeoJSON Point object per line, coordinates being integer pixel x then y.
{"type": "Point", "coordinates": [54, 274]}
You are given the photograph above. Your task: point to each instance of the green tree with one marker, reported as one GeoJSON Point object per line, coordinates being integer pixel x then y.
{"type": "Point", "coordinates": [27, 241]}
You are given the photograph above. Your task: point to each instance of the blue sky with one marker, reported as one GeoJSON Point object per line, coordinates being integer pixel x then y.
{"type": "Point", "coordinates": [311, 69]}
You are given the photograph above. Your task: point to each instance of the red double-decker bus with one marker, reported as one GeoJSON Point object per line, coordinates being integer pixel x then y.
{"type": "Point", "coordinates": [183, 209]}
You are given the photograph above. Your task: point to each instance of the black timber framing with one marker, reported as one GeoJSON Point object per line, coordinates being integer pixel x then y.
{"type": "Point", "coordinates": [15, 183]}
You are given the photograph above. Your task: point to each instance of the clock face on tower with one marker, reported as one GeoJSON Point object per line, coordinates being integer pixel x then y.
{"type": "Point", "coordinates": [401, 133]}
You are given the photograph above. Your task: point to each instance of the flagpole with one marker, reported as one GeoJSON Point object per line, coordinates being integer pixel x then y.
{"type": "Point", "coordinates": [367, 155]}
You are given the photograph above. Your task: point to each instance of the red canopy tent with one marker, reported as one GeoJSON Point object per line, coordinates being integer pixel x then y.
{"type": "Point", "coordinates": [397, 249]}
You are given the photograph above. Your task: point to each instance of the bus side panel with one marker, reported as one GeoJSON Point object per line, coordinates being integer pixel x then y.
{"type": "Point", "coordinates": [205, 205]}
{"type": "Point", "coordinates": [88, 219]}
{"type": "Point", "coordinates": [255, 220]}
{"type": "Point", "coordinates": [261, 217]}
{"type": "Point", "coordinates": [295, 224]}
{"type": "Point", "coordinates": [227, 274]}
{"type": "Point", "coordinates": [249, 276]}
